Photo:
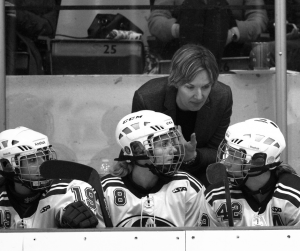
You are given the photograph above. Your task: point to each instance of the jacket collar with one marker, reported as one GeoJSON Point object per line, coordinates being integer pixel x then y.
{"type": "Point", "coordinates": [170, 102]}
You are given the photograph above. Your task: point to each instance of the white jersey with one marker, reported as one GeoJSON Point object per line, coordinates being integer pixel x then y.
{"type": "Point", "coordinates": [167, 204]}
{"type": "Point", "coordinates": [48, 212]}
{"type": "Point", "coordinates": [280, 208]}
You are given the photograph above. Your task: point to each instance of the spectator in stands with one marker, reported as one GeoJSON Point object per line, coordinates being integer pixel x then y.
{"type": "Point", "coordinates": [164, 24]}
{"type": "Point", "coordinates": [198, 103]}
{"type": "Point", "coordinates": [24, 26]}
{"type": "Point", "coordinates": [293, 35]}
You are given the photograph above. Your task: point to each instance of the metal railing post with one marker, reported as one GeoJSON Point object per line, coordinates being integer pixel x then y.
{"type": "Point", "coordinates": [2, 68]}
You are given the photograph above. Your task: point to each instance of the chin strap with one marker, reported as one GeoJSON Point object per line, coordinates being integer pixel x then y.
{"type": "Point", "coordinates": [260, 171]}
{"type": "Point", "coordinates": [153, 170]}
{"type": "Point", "coordinates": [264, 189]}
{"type": "Point", "coordinates": [151, 167]}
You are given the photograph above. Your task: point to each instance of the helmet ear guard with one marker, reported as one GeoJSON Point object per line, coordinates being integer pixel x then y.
{"type": "Point", "coordinates": [6, 166]}
{"type": "Point", "coordinates": [6, 169]}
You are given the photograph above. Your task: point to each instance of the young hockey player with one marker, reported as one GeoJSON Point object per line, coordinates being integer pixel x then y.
{"type": "Point", "coordinates": [264, 192]}
{"type": "Point", "coordinates": [149, 190]}
{"type": "Point", "coordinates": [27, 200]}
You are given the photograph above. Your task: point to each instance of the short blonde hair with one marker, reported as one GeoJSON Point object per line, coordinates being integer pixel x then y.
{"type": "Point", "coordinates": [188, 61]}
{"type": "Point", "coordinates": [121, 169]}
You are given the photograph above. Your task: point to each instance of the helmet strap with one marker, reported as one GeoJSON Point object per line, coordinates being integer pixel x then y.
{"type": "Point", "coordinates": [153, 170]}
{"type": "Point", "coordinates": [258, 171]}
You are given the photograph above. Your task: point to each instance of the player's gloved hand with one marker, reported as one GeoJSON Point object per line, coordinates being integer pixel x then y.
{"type": "Point", "coordinates": [78, 215]}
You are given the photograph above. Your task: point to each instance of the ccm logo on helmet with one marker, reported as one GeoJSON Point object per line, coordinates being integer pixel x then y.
{"type": "Point", "coordinates": [40, 143]}
{"type": "Point", "coordinates": [132, 118]}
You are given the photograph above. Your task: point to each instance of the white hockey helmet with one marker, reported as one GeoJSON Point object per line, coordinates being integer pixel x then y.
{"type": "Point", "coordinates": [19, 150]}
{"type": "Point", "coordinates": [151, 135]}
{"type": "Point", "coordinates": [255, 143]}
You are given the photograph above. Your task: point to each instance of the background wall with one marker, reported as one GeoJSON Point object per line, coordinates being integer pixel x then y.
{"type": "Point", "coordinates": [79, 113]}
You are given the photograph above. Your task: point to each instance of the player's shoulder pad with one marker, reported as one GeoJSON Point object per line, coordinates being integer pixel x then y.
{"type": "Point", "coordinates": [216, 192]}
{"type": "Point", "coordinates": [193, 182]}
{"type": "Point", "coordinates": [288, 188]}
{"type": "Point", "coordinates": [111, 181]}
{"type": "Point", "coordinates": [58, 186]}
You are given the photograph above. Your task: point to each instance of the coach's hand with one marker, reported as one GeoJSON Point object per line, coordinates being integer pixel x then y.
{"type": "Point", "coordinates": [78, 215]}
{"type": "Point", "coordinates": [189, 146]}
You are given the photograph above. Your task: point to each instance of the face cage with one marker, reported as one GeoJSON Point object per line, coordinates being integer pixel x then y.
{"type": "Point", "coordinates": [165, 152]}
{"type": "Point", "coordinates": [239, 164]}
{"type": "Point", "coordinates": [27, 167]}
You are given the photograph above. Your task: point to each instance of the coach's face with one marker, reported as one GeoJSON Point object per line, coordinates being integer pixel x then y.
{"type": "Point", "coordinates": [193, 95]}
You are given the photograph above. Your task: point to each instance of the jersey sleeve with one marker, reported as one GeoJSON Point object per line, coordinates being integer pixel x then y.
{"type": "Point", "coordinates": [192, 202]}
{"type": "Point", "coordinates": [295, 219]}
{"type": "Point", "coordinates": [207, 216]}
{"type": "Point", "coordinates": [78, 191]}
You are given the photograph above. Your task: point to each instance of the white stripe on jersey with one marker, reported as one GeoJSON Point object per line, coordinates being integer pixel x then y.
{"type": "Point", "coordinates": [278, 185]}
{"type": "Point", "coordinates": [214, 192]}
{"type": "Point", "coordinates": [191, 178]}
{"type": "Point", "coordinates": [218, 191]}
{"type": "Point", "coordinates": [110, 180]}
{"type": "Point", "coordinates": [3, 196]}
{"type": "Point", "coordinates": [58, 186]}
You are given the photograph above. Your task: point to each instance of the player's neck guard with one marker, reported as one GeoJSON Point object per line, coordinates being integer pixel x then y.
{"type": "Point", "coordinates": [153, 170]}
{"type": "Point", "coordinates": [22, 198]}
{"type": "Point", "coordinates": [264, 189]}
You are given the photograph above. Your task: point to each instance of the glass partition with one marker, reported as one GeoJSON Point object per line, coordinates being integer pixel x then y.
{"type": "Point", "coordinates": [61, 37]}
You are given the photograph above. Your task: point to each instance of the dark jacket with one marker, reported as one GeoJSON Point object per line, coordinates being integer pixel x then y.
{"type": "Point", "coordinates": [212, 120]}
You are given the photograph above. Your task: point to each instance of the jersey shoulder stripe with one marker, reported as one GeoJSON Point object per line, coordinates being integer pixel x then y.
{"type": "Point", "coordinates": [4, 201]}
{"type": "Point", "coordinates": [112, 181]}
{"type": "Point", "coordinates": [285, 193]}
{"type": "Point", "coordinates": [194, 183]}
{"type": "Point", "coordinates": [213, 188]}
{"type": "Point", "coordinates": [216, 192]}
{"type": "Point", "coordinates": [57, 188]}
{"type": "Point", "coordinates": [287, 188]}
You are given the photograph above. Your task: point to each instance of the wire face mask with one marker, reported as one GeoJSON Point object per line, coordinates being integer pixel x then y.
{"type": "Point", "coordinates": [27, 167]}
{"type": "Point", "coordinates": [22, 151]}
{"type": "Point", "coordinates": [165, 152]}
{"type": "Point", "coordinates": [239, 164]}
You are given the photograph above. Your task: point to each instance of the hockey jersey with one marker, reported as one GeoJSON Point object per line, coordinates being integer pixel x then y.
{"type": "Point", "coordinates": [168, 204]}
{"type": "Point", "coordinates": [281, 208]}
{"type": "Point", "coordinates": [49, 209]}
